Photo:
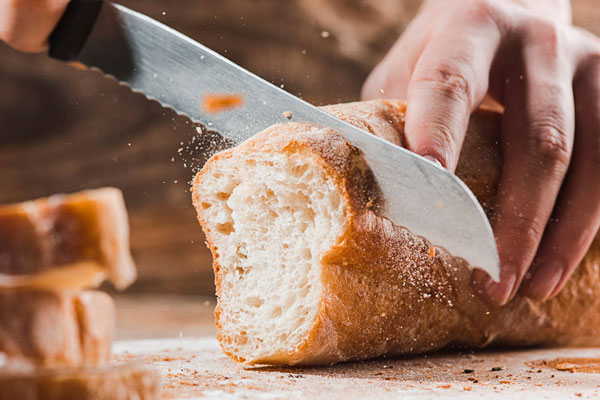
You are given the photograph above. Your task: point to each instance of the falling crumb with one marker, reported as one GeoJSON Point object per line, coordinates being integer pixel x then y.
{"type": "Point", "coordinates": [215, 103]}
{"type": "Point", "coordinates": [287, 114]}
{"type": "Point", "coordinates": [370, 203]}
{"type": "Point", "coordinates": [383, 315]}
{"type": "Point", "coordinates": [431, 252]}
{"type": "Point", "coordinates": [325, 34]}
{"type": "Point", "coordinates": [381, 91]}
{"type": "Point", "coordinates": [206, 303]}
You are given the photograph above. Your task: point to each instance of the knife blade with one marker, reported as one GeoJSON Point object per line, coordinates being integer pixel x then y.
{"type": "Point", "coordinates": [175, 70]}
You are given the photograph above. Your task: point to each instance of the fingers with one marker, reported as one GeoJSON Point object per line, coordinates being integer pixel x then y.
{"type": "Point", "coordinates": [390, 77]}
{"type": "Point", "coordinates": [449, 81]}
{"type": "Point", "coordinates": [26, 24]}
{"type": "Point", "coordinates": [537, 136]}
{"type": "Point", "coordinates": [576, 218]}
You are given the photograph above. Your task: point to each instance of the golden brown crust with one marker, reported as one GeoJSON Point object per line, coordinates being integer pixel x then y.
{"type": "Point", "coordinates": [86, 233]}
{"type": "Point", "coordinates": [123, 382]}
{"type": "Point", "coordinates": [55, 328]}
{"type": "Point", "coordinates": [385, 291]}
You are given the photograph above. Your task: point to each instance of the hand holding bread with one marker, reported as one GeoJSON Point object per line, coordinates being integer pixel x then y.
{"type": "Point", "coordinates": [528, 56]}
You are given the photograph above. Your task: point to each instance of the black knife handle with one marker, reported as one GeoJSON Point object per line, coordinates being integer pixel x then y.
{"type": "Point", "coordinates": [73, 29]}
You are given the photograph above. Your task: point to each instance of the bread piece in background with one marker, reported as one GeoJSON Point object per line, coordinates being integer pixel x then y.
{"type": "Point", "coordinates": [51, 328]}
{"type": "Point", "coordinates": [307, 273]}
{"type": "Point", "coordinates": [75, 240]}
{"type": "Point", "coordinates": [124, 382]}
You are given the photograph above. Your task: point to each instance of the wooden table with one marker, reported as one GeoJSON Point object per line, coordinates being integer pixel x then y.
{"type": "Point", "coordinates": [176, 336]}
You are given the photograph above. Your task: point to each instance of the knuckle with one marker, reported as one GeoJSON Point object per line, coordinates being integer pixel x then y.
{"type": "Point", "coordinates": [586, 39]}
{"type": "Point", "coordinates": [549, 143]}
{"type": "Point", "coordinates": [547, 29]}
{"type": "Point", "coordinates": [525, 230]}
{"type": "Point", "coordinates": [481, 11]}
{"type": "Point", "coordinates": [548, 34]}
{"type": "Point", "coordinates": [450, 81]}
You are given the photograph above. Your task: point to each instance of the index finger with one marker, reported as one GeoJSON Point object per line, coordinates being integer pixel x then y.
{"type": "Point", "coordinates": [449, 82]}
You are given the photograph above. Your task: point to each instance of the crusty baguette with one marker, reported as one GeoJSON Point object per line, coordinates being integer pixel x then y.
{"type": "Point", "coordinates": [45, 327]}
{"type": "Point", "coordinates": [75, 241]}
{"type": "Point", "coordinates": [307, 273]}
{"type": "Point", "coordinates": [124, 382]}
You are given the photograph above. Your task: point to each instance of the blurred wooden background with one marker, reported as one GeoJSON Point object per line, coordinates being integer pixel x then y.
{"type": "Point", "coordinates": [62, 130]}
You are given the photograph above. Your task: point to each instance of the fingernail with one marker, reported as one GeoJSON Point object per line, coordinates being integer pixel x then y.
{"type": "Point", "coordinates": [545, 279]}
{"type": "Point", "coordinates": [435, 161]}
{"type": "Point", "coordinates": [500, 292]}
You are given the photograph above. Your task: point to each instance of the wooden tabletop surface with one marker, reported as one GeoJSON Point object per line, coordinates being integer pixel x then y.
{"type": "Point", "coordinates": [176, 335]}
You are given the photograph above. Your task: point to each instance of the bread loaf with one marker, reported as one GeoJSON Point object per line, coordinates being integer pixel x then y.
{"type": "Point", "coordinates": [44, 327]}
{"type": "Point", "coordinates": [124, 382]}
{"type": "Point", "coordinates": [307, 273]}
{"type": "Point", "coordinates": [75, 240]}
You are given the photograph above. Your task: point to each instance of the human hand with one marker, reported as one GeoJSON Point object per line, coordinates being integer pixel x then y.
{"type": "Point", "coordinates": [26, 24]}
{"type": "Point", "coordinates": [546, 73]}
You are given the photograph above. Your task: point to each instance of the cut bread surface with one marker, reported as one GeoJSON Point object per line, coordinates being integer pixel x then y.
{"type": "Point", "coordinates": [271, 216]}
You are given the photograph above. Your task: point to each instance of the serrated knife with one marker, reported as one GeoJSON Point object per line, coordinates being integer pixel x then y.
{"type": "Point", "coordinates": [175, 70]}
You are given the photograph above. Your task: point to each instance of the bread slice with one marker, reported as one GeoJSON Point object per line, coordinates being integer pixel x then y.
{"type": "Point", "coordinates": [124, 382]}
{"type": "Point", "coordinates": [44, 327]}
{"type": "Point", "coordinates": [307, 272]}
{"type": "Point", "coordinates": [75, 241]}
